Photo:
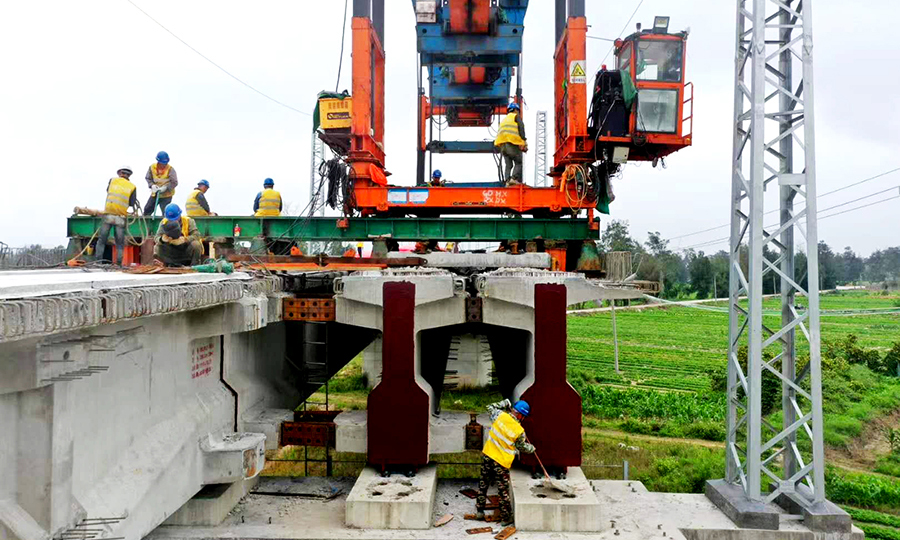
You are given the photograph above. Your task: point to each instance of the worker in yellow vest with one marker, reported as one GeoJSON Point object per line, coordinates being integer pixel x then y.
{"type": "Point", "coordinates": [268, 201]}
{"type": "Point", "coordinates": [512, 143]}
{"type": "Point", "coordinates": [197, 205]}
{"type": "Point", "coordinates": [120, 196]}
{"type": "Point", "coordinates": [161, 179]}
{"type": "Point", "coordinates": [505, 438]}
{"type": "Point", "coordinates": [178, 239]}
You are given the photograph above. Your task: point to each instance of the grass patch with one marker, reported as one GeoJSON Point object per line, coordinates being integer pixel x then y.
{"type": "Point", "coordinates": [862, 490]}
{"type": "Point", "coordinates": [870, 516]}
{"type": "Point", "coordinates": [881, 533]}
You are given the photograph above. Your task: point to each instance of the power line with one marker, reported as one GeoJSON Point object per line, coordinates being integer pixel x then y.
{"type": "Point", "coordinates": [876, 177]}
{"type": "Point", "coordinates": [341, 58]}
{"type": "Point", "coordinates": [623, 30]}
{"type": "Point", "coordinates": [223, 70]}
{"type": "Point", "coordinates": [727, 239]}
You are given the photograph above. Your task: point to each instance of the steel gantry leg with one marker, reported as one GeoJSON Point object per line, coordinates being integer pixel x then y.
{"type": "Point", "coordinates": [774, 146]}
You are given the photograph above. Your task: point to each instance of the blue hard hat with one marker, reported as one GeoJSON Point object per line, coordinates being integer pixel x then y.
{"type": "Point", "coordinates": [162, 157]}
{"type": "Point", "coordinates": [173, 211]}
{"type": "Point", "coordinates": [268, 182]}
{"type": "Point", "coordinates": [522, 408]}
{"type": "Point", "coordinates": [436, 173]}
{"type": "Point", "coordinates": [513, 107]}
{"type": "Point", "coordinates": [202, 183]}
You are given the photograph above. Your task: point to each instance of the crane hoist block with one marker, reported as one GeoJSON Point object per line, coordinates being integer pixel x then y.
{"type": "Point", "coordinates": [470, 16]}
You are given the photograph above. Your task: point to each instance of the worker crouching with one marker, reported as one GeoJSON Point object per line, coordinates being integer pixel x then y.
{"type": "Point", "coordinates": [505, 438]}
{"type": "Point", "coordinates": [178, 239]}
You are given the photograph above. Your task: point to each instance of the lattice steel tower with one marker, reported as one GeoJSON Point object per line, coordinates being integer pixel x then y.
{"type": "Point", "coordinates": [540, 150]}
{"type": "Point", "coordinates": [774, 151]}
{"type": "Point", "coordinates": [316, 158]}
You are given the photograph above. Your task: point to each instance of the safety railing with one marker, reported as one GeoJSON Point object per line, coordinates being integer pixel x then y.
{"type": "Point", "coordinates": [688, 101]}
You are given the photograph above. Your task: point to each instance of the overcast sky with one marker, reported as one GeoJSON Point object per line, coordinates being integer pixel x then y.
{"type": "Point", "coordinates": [94, 85]}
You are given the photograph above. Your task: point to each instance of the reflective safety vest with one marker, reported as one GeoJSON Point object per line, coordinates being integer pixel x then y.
{"type": "Point", "coordinates": [509, 131]}
{"type": "Point", "coordinates": [192, 206]}
{"type": "Point", "coordinates": [117, 196]}
{"type": "Point", "coordinates": [269, 203]}
{"type": "Point", "coordinates": [185, 222]}
{"type": "Point", "coordinates": [161, 176]}
{"type": "Point", "coordinates": [501, 443]}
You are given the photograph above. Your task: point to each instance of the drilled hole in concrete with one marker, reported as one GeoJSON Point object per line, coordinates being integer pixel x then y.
{"type": "Point", "coordinates": [569, 495]}
{"type": "Point", "coordinates": [376, 493]}
{"type": "Point", "coordinates": [541, 496]}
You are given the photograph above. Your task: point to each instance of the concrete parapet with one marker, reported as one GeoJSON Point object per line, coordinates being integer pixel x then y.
{"type": "Point", "coordinates": [538, 508]}
{"type": "Point", "coordinates": [396, 502]}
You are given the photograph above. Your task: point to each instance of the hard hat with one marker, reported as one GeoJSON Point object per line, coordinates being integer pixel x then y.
{"type": "Point", "coordinates": [513, 107]}
{"type": "Point", "coordinates": [203, 183]}
{"type": "Point", "coordinates": [268, 182]}
{"type": "Point", "coordinates": [162, 157]}
{"type": "Point", "coordinates": [436, 173]}
{"type": "Point", "coordinates": [173, 211]}
{"type": "Point", "coordinates": [125, 170]}
{"type": "Point", "coordinates": [522, 408]}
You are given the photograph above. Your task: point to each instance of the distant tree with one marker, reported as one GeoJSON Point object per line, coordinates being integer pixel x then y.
{"type": "Point", "coordinates": [701, 271]}
{"type": "Point", "coordinates": [721, 266]}
{"type": "Point", "coordinates": [829, 267]}
{"type": "Point", "coordinates": [852, 266]}
{"type": "Point", "coordinates": [656, 245]}
{"type": "Point", "coordinates": [617, 237]}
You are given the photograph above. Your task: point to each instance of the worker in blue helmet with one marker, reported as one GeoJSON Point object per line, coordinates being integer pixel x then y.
{"type": "Point", "coordinates": [178, 239]}
{"type": "Point", "coordinates": [436, 178]}
{"type": "Point", "coordinates": [161, 179]}
{"type": "Point", "coordinates": [268, 202]}
{"type": "Point", "coordinates": [505, 439]}
{"type": "Point", "coordinates": [512, 144]}
{"type": "Point", "coordinates": [197, 205]}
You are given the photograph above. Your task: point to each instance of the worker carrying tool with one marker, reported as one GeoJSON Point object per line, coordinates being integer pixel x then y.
{"type": "Point", "coordinates": [120, 196]}
{"type": "Point", "coordinates": [161, 179]}
{"type": "Point", "coordinates": [513, 143]}
{"type": "Point", "coordinates": [268, 201]}
{"type": "Point", "coordinates": [178, 239]}
{"type": "Point", "coordinates": [436, 178]}
{"type": "Point", "coordinates": [505, 438]}
{"type": "Point", "coordinates": [196, 205]}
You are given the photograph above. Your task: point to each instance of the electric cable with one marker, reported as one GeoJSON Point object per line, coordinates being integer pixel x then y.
{"type": "Point", "coordinates": [223, 70]}
{"type": "Point", "coordinates": [341, 57]}
{"type": "Point", "coordinates": [620, 33]}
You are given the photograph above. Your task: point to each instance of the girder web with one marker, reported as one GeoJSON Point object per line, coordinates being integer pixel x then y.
{"type": "Point", "coordinates": [774, 146]}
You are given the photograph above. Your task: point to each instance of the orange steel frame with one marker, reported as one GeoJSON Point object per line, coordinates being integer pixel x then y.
{"type": "Point", "coordinates": [367, 130]}
{"type": "Point", "coordinates": [573, 145]}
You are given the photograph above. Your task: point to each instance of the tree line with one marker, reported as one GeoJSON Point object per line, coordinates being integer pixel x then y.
{"type": "Point", "coordinates": [692, 272]}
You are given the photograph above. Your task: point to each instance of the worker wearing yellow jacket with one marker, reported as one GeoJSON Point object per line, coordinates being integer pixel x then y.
{"type": "Point", "coordinates": [512, 143]}
{"type": "Point", "coordinates": [120, 196]}
{"type": "Point", "coordinates": [268, 201]}
{"type": "Point", "coordinates": [197, 205]}
{"type": "Point", "coordinates": [161, 179]}
{"type": "Point", "coordinates": [505, 438]}
{"type": "Point", "coordinates": [178, 239]}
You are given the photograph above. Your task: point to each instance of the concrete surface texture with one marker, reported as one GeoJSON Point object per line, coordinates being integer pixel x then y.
{"type": "Point", "coordinates": [469, 363]}
{"type": "Point", "coordinates": [629, 513]}
{"type": "Point", "coordinates": [539, 508]}
{"type": "Point", "coordinates": [212, 504]}
{"type": "Point", "coordinates": [482, 260]}
{"type": "Point", "coordinates": [394, 502]}
{"type": "Point", "coordinates": [447, 433]}
{"type": "Point", "coordinates": [107, 422]}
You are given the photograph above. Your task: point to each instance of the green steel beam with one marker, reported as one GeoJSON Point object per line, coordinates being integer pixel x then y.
{"type": "Point", "coordinates": [403, 229]}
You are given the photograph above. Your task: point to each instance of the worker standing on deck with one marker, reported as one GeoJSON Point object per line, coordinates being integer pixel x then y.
{"type": "Point", "coordinates": [505, 438]}
{"type": "Point", "coordinates": [161, 179]}
{"type": "Point", "coordinates": [178, 239]}
{"type": "Point", "coordinates": [120, 196]}
{"type": "Point", "coordinates": [513, 143]}
{"type": "Point", "coordinates": [196, 205]}
{"type": "Point", "coordinates": [436, 178]}
{"type": "Point", "coordinates": [268, 201]}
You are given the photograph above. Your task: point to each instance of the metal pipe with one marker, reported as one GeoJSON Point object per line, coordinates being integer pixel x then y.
{"type": "Point", "coordinates": [378, 19]}
{"type": "Point", "coordinates": [576, 8]}
{"type": "Point", "coordinates": [362, 8]}
{"type": "Point", "coordinates": [561, 18]}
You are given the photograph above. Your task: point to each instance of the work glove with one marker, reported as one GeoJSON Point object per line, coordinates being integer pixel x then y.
{"type": "Point", "coordinates": [167, 239]}
{"type": "Point", "coordinates": [154, 189]}
{"type": "Point", "coordinates": [178, 241]}
{"type": "Point", "coordinates": [506, 404]}
{"type": "Point", "coordinates": [525, 148]}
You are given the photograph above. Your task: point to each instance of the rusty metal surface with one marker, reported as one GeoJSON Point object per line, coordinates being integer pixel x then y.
{"type": "Point", "coordinates": [399, 416]}
{"type": "Point", "coordinates": [474, 434]}
{"type": "Point", "coordinates": [310, 428]}
{"type": "Point", "coordinates": [474, 310]}
{"type": "Point", "coordinates": [554, 426]}
{"type": "Point", "coordinates": [309, 309]}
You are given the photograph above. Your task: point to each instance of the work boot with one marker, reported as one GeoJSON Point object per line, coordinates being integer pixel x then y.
{"type": "Point", "coordinates": [506, 522]}
{"type": "Point", "coordinates": [479, 515]}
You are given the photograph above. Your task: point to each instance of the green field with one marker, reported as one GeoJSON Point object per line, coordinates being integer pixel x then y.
{"type": "Point", "coordinates": [675, 347]}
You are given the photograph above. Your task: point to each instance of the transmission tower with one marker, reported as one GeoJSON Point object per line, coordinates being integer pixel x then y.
{"type": "Point", "coordinates": [774, 147]}
{"type": "Point", "coordinates": [317, 157]}
{"type": "Point", "coordinates": [540, 151]}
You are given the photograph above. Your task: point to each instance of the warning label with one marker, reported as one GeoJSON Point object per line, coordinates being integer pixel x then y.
{"type": "Point", "coordinates": [203, 353]}
{"type": "Point", "coordinates": [577, 72]}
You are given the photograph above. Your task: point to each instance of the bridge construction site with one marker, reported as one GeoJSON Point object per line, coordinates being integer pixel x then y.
{"type": "Point", "coordinates": [142, 400]}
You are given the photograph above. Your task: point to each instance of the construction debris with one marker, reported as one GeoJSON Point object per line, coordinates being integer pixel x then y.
{"type": "Point", "coordinates": [469, 492]}
{"type": "Point", "coordinates": [506, 533]}
{"type": "Point", "coordinates": [445, 519]}
{"type": "Point", "coordinates": [479, 530]}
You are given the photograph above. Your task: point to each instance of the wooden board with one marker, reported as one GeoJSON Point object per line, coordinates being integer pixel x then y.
{"type": "Point", "coordinates": [480, 530]}
{"type": "Point", "coordinates": [445, 519]}
{"type": "Point", "coordinates": [506, 533]}
{"type": "Point", "coordinates": [469, 492]}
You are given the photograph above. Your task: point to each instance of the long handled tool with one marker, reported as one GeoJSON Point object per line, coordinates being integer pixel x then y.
{"type": "Point", "coordinates": [550, 482]}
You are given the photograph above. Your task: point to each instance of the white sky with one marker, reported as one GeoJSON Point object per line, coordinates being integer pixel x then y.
{"type": "Point", "coordinates": [94, 85]}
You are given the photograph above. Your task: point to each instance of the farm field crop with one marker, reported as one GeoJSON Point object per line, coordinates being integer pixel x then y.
{"type": "Point", "coordinates": [674, 347]}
